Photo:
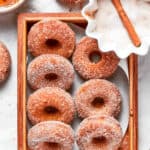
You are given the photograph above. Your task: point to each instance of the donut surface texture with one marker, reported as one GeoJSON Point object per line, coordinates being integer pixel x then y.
{"type": "Point", "coordinates": [5, 62]}
{"type": "Point", "coordinates": [51, 135]}
{"type": "Point", "coordinates": [125, 143]}
{"type": "Point", "coordinates": [98, 96]}
{"type": "Point", "coordinates": [104, 65]}
{"type": "Point", "coordinates": [51, 37]}
{"type": "Point", "coordinates": [99, 133]}
{"type": "Point", "coordinates": [50, 104]}
{"type": "Point", "coordinates": [50, 70]}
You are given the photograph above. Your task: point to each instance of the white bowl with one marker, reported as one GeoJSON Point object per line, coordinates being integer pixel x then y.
{"type": "Point", "coordinates": [6, 9]}
{"type": "Point", "coordinates": [107, 28]}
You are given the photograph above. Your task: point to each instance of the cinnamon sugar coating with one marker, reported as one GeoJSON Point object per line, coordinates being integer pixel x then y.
{"type": "Point", "coordinates": [50, 70]}
{"type": "Point", "coordinates": [5, 62]}
{"type": "Point", "coordinates": [88, 69]}
{"type": "Point", "coordinates": [99, 133]}
{"type": "Point", "coordinates": [51, 37]}
{"type": "Point", "coordinates": [98, 96]}
{"type": "Point", "coordinates": [51, 135]}
{"type": "Point", "coordinates": [125, 143]}
{"type": "Point", "coordinates": [50, 104]}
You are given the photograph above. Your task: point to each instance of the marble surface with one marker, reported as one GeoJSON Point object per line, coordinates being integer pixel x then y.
{"type": "Point", "coordinates": [8, 91]}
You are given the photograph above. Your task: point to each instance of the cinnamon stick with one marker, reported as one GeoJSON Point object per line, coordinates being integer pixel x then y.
{"type": "Point", "coordinates": [127, 23]}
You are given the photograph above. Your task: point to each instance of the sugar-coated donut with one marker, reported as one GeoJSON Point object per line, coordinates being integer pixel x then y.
{"type": "Point", "coordinates": [51, 135]}
{"type": "Point", "coordinates": [5, 62]}
{"type": "Point", "coordinates": [98, 96]}
{"type": "Point", "coordinates": [125, 143]}
{"type": "Point", "coordinates": [51, 37]}
{"type": "Point", "coordinates": [99, 133]}
{"type": "Point", "coordinates": [50, 104]}
{"type": "Point", "coordinates": [104, 64]}
{"type": "Point", "coordinates": [50, 70]}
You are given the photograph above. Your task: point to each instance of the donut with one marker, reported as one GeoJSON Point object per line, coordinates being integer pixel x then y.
{"type": "Point", "coordinates": [98, 96]}
{"type": "Point", "coordinates": [73, 2]}
{"type": "Point", "coordinates": [99, 133]}
{"type": "Point", "coordinates": [51, 37]}
{"type": "Point", "coordinates": [5, 62]}
{"type": "Point", "coordinates": [90, 62]}
{"type": "Point", "coordinates": [50, 70]}
{"type": "Point", "coordinates": [51, 135]}
{"type": "Point", "coordinates": [50, 104]}
{"type": "Point", "coordinates": [125, 143]}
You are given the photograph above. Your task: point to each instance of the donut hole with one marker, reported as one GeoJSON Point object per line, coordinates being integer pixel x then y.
{"type": "Point", "coordinates": [53, 44]}
{"type": "Point", "coordinates": [51, 76]}
{"type": "Point", "coordinates": [98, 102]}
{"type": "Point", "coordinates": [51, 110]}
{"type": "Point", "coordinates": [95, 56]}
{"type": "Point", "coordinates": [52, 145]}
{"type": "Point", "coordinates": [99, 141]}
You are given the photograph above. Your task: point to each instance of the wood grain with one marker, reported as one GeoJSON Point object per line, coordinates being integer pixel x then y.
{"type": "Point", "coordinates": [24, 22]}
{"type": "Point", "coordinates": [133, 122]}
{"type": "Point", "coordinates": [22, 25]}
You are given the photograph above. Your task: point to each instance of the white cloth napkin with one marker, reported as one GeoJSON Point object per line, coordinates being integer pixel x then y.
{"type": "Point", "coordinates": [8, 91]}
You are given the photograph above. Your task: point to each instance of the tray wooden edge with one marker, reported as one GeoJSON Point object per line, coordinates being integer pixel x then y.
{"type": "Point", "coordinates": [133, 91]}
{"type": "Point", "coordinates": [21, 84]}
{"type": "Point", "coordinates": [76, 18]}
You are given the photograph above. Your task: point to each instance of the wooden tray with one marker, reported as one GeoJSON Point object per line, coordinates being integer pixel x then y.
{"type": "Point", "coordinates": [25, 21]}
